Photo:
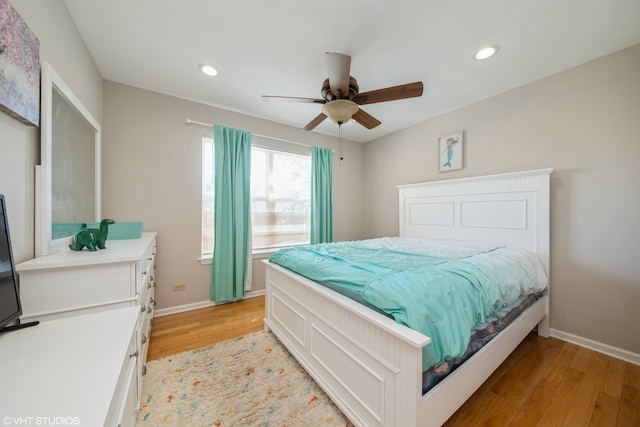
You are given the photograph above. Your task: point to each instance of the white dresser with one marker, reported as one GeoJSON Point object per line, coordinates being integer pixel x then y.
{"type": "Point", "coordinates": [70, 283]}
{"type": "Point", "coordinates": [75, 371]}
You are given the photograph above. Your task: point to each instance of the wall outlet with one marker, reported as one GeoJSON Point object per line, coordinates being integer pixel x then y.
{"type": "Point", "coordinates": [179, 287]}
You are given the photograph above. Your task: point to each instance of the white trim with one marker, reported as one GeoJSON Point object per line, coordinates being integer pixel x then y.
{"type": "Point", "coordinates": [197, 305]}
{"type": "Point", "coordinates": [256, 254]}
{"type": "Point", "coordinates": [499, 176]}
{"type": "Point", "coordinates": [609, 350]}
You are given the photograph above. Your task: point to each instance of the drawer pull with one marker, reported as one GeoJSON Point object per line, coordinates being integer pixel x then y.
{"type": "Point", "coordinates": [149, 285]}
{"type": "Point", "coordinates": [149, 309]}
{"type": "Point", "coordinates": [153, 302]}
{"type": "Point", "coordinates": [143, 308]}
{"type": "Point", "coordinates": [144, 370]}
{"type": "Point", "coordinates": [144, 339]}
{"type": "Point", "coordinates": [134, 354]}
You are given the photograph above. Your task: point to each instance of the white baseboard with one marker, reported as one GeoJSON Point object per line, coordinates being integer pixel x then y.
{"type": "Point", "coordinates": [201, 304]}
{"type": "Point", "coordinates": [618, 353]}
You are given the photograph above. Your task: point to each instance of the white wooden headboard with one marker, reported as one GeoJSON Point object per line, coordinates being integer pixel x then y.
{"type": "Point", "coordinates": [508, 209]}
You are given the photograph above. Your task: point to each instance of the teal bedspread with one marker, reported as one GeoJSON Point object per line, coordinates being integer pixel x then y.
{"type": "Point", "coordinates": [441, 289]}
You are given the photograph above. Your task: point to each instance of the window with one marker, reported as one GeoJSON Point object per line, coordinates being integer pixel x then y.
{"type": "Point", "coordinates": [280, 197]}
{"type": "Point", "coordinates": [207, 196]}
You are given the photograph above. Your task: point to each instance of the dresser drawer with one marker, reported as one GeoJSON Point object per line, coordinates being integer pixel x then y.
{"type": "Point", "coordinates": [146, 268]}
{"type": "Point", "coordinates": [49, 294]}
{"type": "Point", "coordinates": [144, 335]}
{"type": "Point", "coordinates": [125, 397]}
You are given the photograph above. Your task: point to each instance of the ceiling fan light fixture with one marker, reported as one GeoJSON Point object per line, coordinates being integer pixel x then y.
{"type": "Point", "coordinates": [486, 52]}
{"type": "Point", "coordinates": [209, 70]}
{"type": "Point", "coordinates": [340, 111]}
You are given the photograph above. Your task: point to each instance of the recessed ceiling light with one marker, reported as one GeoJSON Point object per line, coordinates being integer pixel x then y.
{"type": "Point", "coordinates": [486, 52]}
{"type": "Point", "coordinates": [209, 70]}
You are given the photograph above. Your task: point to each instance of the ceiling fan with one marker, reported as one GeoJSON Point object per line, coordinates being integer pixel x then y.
{"type": "Point", "coordinates": [341, 99]}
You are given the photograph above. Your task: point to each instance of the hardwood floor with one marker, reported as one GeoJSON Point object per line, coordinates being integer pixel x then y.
{"type": "Point", "coordinates": [545, 381]}
{"type": "Point", "coordinates": [548, 382]}
{"type": "Point", "coordinates": [181, 332]}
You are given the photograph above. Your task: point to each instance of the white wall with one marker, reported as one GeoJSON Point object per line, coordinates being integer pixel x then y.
{"type": "Point", "coordinates": [584, 123]}
{"type": "Point", "coordinates": [62, 46]}
{"type": "Point", "coordinates": [152, 172]}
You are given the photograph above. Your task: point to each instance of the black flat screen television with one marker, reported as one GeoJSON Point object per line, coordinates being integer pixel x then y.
{"type": "Point", "coordinates": [10, 308]}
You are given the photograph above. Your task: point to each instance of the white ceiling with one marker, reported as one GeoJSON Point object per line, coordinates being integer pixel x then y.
{"type": "Point", "coordinates": [276, 47]}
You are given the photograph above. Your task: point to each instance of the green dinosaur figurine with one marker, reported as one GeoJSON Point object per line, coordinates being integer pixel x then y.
{"type": "Point", "coordinates": [91, 238]}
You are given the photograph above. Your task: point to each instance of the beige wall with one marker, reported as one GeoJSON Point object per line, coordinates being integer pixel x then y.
{"type": "Point", "coordinates": [62, 46]}
{"type": "Point", "coordinates": [151, 172]}
{"type": "Point", "coordinates": [584, 123]}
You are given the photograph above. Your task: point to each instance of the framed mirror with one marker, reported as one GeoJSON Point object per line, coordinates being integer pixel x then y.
{"type": "Point", "coordinates": [68, 178]}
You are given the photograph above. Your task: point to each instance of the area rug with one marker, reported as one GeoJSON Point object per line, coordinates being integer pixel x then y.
{"type": "Point", "coordinates": [248, 381]}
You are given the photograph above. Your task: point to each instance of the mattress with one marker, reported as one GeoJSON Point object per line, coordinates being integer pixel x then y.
{"type": "Point", "coordinates": [443, 289]}
{"type": "Point", "coordinates": [481, 335]}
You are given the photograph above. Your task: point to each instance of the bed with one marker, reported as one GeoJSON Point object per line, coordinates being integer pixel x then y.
{"type": "Point", "coordinates": [370, 365]}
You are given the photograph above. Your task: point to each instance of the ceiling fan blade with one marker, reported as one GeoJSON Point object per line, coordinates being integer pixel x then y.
{"type": "Point", "coordinates": [365, 119]}
{"type": "Point", "coordinates": [292, 99]}
{"type": "Point", "coordinates": [338, 68]}
{"type": "Point", "coordinates": [315, 122]}
{"type": "Point", "coordinates": [409, 90]}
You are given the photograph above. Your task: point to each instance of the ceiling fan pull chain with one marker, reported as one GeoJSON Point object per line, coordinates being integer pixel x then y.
{"type": "Point", "coordinates": [340, 144]}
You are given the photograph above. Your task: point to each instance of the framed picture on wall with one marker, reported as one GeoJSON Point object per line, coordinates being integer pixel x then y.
{"type": "Point", "coordinates": [19, 67]}
{"type": "Point", "coordinates": [450, 151]}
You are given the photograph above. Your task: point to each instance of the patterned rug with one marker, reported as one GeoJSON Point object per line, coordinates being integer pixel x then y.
{"type": "Point", "coordinates": [249, 381]}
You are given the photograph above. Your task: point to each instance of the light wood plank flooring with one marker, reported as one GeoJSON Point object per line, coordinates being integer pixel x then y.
{"type": "Point", "coordinates": [545, 381]}
{"type": "Point", "coordinates": [186, 331]}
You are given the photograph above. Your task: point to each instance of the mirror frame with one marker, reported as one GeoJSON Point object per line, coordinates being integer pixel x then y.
{"type": "Point", "coordinates": [44, 243]}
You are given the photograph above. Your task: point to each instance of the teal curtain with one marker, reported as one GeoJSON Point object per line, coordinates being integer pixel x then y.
{"type": "Point", "coordinates": [232, 213]}
{"type": "Point", "coordinates": [321, 200]}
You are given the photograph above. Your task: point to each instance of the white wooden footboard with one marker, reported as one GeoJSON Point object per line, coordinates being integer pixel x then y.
{"type": "Point", "coordinates": [369, 365]}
